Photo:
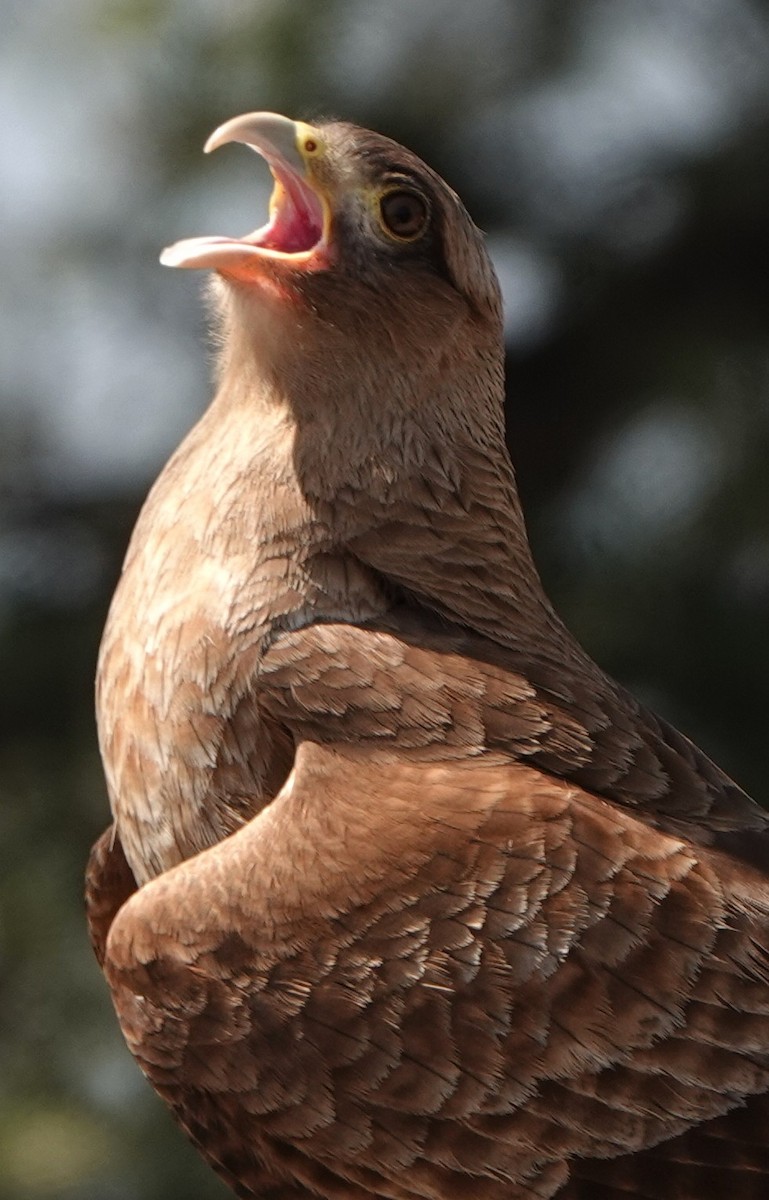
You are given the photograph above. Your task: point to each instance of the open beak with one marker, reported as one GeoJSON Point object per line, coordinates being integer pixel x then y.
{"type": "Point", "coordinates": [299, 214]}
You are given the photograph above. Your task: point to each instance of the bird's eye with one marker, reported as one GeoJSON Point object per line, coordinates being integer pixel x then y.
{"type": "Point", "coordinates": [403, 214]}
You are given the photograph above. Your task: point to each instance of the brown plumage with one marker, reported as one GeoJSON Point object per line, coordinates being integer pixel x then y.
{"type": "Point", "coordinates": [427, 906]}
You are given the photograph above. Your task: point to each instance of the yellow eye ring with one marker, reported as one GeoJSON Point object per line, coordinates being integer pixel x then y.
{"type": "Point", "coordinates": [403, 214]}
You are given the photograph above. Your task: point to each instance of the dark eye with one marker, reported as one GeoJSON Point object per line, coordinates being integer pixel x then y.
{"type": "Point", "coordinates": [404, 214]}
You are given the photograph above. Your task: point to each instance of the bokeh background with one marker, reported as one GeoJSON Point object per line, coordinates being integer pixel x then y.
{"type": "Point", "coordinates": [617, 154]}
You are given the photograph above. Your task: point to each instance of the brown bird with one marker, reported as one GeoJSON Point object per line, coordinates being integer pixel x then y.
{"type": "Point", "coordinates": [404, 897]}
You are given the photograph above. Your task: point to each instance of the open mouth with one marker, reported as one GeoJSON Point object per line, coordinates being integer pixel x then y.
{"type": "Point", "coordinates": [298, 221]}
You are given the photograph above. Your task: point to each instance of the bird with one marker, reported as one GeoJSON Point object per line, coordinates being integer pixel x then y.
{"type": "Point", "coordinates": [403, 897]}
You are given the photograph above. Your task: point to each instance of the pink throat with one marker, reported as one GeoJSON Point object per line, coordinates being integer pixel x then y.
{"type": "Point", "coordinates": [296, 223]}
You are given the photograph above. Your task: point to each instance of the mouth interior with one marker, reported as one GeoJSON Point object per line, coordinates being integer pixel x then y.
{"type": "Point", "coordinates": [296, 216]}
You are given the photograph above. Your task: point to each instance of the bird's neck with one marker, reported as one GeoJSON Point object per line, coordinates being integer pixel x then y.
{"type": "Point", "coordinates": [271, 515]}
{"type": "Point", "coordinates": [405, 458]}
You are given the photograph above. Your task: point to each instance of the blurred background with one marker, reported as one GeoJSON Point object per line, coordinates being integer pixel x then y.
{"type": "Point", "coordinates": [617, 154]}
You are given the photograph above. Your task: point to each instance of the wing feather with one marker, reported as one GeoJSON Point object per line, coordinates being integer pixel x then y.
{"type": "Point", "coordinates": [412, 979]}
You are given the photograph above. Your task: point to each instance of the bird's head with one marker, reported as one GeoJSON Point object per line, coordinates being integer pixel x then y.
{"type": "Point", "coordinates": [367, 254]}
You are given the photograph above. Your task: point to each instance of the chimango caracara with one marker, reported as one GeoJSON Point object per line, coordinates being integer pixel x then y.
{"type": "Point", "coordinates": [404, 897]}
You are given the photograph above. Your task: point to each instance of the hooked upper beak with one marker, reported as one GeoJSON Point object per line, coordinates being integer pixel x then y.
{"type": "Point", "coordinates": [299, 220]}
